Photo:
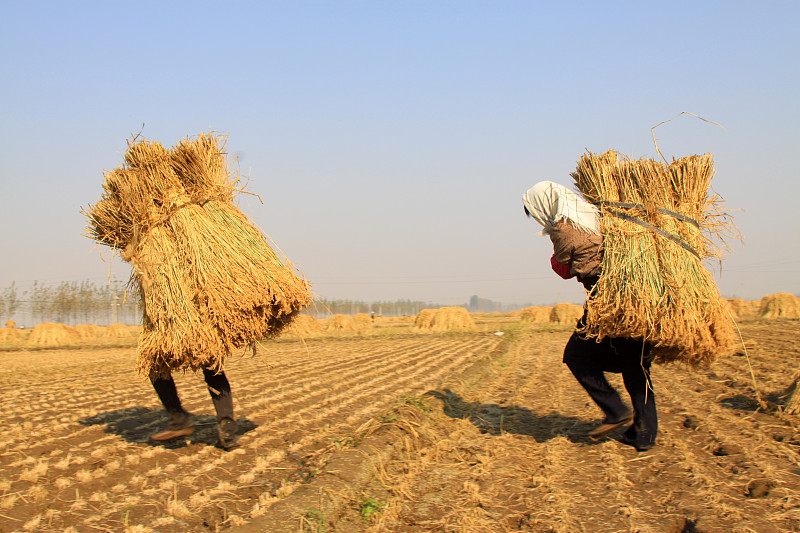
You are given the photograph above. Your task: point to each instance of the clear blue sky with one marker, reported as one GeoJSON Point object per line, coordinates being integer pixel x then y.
{"type": "Point", "coordinates": [391, 141]}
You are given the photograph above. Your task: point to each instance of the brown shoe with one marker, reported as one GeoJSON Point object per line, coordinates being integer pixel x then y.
{"type": "Point", "coordinates": [606, 428]}
{"type": "Point", "coordinates": [181, 424]}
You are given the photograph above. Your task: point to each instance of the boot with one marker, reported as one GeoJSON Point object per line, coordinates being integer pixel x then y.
{"type": "Point", "coordinates": [181, 423]}
{"type": "Point", "coordinates": [220, 391]}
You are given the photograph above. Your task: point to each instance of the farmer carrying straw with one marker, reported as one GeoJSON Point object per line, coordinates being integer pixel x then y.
{"type": "Point", "coordinates": [573, 226]}
{"type": "Point", "coordinates": [208, 280]}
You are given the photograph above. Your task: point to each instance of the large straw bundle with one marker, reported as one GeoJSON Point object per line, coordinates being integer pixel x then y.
{"type": "Point", "coordinates": [363, 320]}
{"type": "Point", "coordinates": [780, 305]}
{"type": "Point", "coordinates": [658, 223]}
{"type": "Point", "coordinates": [11, 324]}
{"type": "Point", "coordinates": [209, 280]}
{"type": "Point", "coordinates": [566, 314]}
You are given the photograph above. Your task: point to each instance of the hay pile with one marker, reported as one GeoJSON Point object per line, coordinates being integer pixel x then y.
{"type": "Point", "coordinates": [363, 321]}
{"type": "Point", "coordinates": [566, 314]}
{"type": "Point", "coordinates": [744, 309]}
{"type": "Point", "coordinates": [53, 334]}
{"type": "Point", "coordinates": [116, 331]}
{"type": "Point", "coordinates": [347, 323]}
{"type": "Point", "coordinates": [658, 223]}
{"type": "Point", "coordinates": [89, 331]}
{"type": "Point", "coordinates": [209, 281]}
{"type": "Point", "coordinates": [11, 324]}
{"type": "Point", "coordinates": [12, 336]}
{"type": "Point", "coordinates": [303, 326]}
{"type": "Point", "coordinates": [780, 305]}
{"type": "Point", "coordinates": [424, 319]}
{"type": "Point", "coordinates": [444, 319]}
{"type": "Point", "coordinates": [536, 314]}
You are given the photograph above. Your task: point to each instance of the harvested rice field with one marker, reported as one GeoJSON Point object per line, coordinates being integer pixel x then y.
{"type": "Point", "coordinates": [401, 432]}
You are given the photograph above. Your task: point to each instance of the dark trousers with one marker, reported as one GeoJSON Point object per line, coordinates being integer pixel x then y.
{"type": "Point", "coordinates": [588, 360]}
{"type": "Point", "coordinates": [218, 387]}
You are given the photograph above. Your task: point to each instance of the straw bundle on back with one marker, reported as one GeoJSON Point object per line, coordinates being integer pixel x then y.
{"type": "Point", "coordinates": [11, 324]}
{"type": "Point", "coordinates": [780, 305]}
{"type": "Point", "coordinates": [209, 280]}
{"type": "Point", "coordinates": [658, 222]}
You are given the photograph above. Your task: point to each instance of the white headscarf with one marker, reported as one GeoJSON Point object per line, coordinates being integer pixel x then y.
{"type": "Point", "coordinates": [549, 202]}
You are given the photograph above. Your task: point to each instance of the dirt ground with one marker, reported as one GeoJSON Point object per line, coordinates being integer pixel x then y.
{"type": "Point", "coordinates": [399, 433]}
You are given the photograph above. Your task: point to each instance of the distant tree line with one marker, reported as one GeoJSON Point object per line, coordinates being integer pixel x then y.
{"type": "Point", "coordinates": [87, 303]}
{"type": "Point", "coordinates": [69, 302]}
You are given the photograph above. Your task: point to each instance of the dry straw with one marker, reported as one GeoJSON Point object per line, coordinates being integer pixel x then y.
{"type": "Point", "coordinates": [780, 305]}
{"type": "Point", "coordinates": [565, 314]}
{"type": "Point", "coordinates": [537, 314]}
{"type": "Point", "coordinates": [659, 223]}
{"type": "Point", "coordinates": [53, 334]}
{"type": "Point", "coordinates": [444, 319]}
{"type": "Point", "coordinates": [209, 280]}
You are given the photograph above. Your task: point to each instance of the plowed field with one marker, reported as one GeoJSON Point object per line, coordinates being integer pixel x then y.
{"type": "Point", "coordinates": [400, 433]}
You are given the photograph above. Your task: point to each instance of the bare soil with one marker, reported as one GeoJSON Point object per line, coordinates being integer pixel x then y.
{"type": "Point", "coordinates": [398, 433]}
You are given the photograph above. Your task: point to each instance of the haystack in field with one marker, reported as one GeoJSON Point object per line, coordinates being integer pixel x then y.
{"type": "Point", "coordinates": [780, 305]}
{"type": "Point", "coordinates": [89, 331]}
{"type": "Point", "coordinates": [208, 279]}
{"type": "Point", "coordinates": [303, 326]}
{"type": "Point", "coordinates": [424, 319]}
{"type": "Point", "coordinates": [52, 334]}
{"type": "Point", "coordinates": [342, 323]}
{"type": "Point", "coordinates": [12, 336]}
{"type": "Point", "coordinates": [537, 314]}
{"type": "Point", "coordinates": [659, 223]}
{"type": "Point", "coordinates": [742, 309]}
{"type": "Point", "coordinates": [363, 321]}
{"type": "Point", "coordinates": [444, 319]}
{"type": "Point", "coordinates": [11, 324]}
{"type": "Point", "coordinates": [116, 331]}
{"type": "Point", "coordinates": [566, 314]}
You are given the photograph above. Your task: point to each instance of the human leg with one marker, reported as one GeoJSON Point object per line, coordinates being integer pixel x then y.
{"type": "Point", "coordinates": [642, 434]}
{"type": "Point", "coordinates": [181, 423]}
{"type": "Point", "coordinates": [220, 390]}
{"type": "Point", "coordinates": [583, 358]}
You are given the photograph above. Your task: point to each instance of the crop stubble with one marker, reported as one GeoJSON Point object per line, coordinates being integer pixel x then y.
{"type": "Point", "coordinates": [501, 451]}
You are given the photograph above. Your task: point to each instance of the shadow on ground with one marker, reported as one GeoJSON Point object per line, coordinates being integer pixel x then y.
{"type": "Point", "coordinates": [496, 419]}
{"type": "Point", "coordinates": [136, 424]}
